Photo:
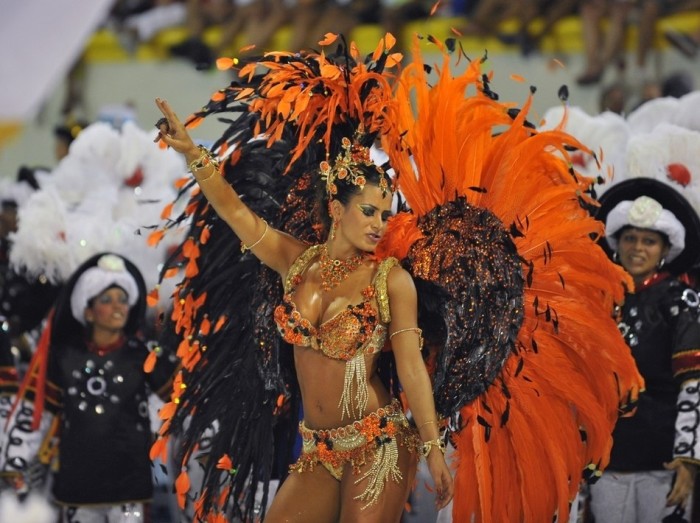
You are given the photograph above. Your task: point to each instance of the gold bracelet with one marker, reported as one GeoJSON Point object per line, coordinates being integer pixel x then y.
{"type": "Point", "coordinates": [205, 159]}
{"type": "Point", "coordinates": [202, 153]}
{"type": "Point", "coordinates": [244, 247]}
{"type": "Point", "coordinates": [427, 423]}
{"type": "Point", "coordinates": [411, 329]}
{"type": "Point", "coordinates": [200, 180]}
{"type": "Point", "coordinates": [428, 446]}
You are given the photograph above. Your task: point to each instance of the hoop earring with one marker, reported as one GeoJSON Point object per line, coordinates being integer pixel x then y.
{"type": "Point", "coordinates": [615, 257]}
{"type": "Point", "coordinates": [661, 263]}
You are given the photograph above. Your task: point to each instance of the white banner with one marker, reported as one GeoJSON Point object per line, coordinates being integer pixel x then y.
{"type": "Point", "coordinates": [39, 42]}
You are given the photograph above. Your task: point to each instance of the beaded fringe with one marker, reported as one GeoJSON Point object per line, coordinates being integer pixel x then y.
{"type": "Point", "coordinates": [355, 373]}
{"type": "Point", "coordinates": [384, 467]}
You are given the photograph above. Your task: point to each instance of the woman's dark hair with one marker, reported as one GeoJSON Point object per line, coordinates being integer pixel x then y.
{"type": "Point", "coordinates": [346, 190]}
{"type": "Point", "coordinates": [64, 327]}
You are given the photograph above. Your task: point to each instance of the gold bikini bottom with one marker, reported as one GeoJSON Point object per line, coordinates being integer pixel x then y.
{"type": "Point", "coordinates": [374, 439]}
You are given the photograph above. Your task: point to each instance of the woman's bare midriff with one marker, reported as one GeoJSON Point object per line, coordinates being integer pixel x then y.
{"type": "Point", "coordinates": [321, 383]}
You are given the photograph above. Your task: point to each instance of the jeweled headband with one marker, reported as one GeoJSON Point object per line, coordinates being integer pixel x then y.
{"type": "Point", "coordinates": [345, 168]}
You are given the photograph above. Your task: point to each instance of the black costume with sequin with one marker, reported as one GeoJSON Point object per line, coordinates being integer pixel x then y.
{"type": "Point", "coordinates": [105, 431]}
{"type": "Point", "coordinates": [660, 324]}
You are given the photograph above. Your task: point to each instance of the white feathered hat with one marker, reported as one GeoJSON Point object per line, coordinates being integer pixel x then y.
{"type": "Point", "coordinates": [669, 154]}
{"type": "Point", "coordinates": [606, 134]}
{"type": "Point", "coordinates": [102, 197]}
{"type": "Point", "coordinates": [683, 112]}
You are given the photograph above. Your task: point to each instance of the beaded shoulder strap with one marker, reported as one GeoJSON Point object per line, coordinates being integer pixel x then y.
{"type": "Point", "coordinates": [380, 286]}
{"type": "Point", "coordinates": [299, 265]}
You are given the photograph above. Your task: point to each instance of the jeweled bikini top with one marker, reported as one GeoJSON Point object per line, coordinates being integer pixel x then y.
{"type": "Point", "coordinates": [354, 332]}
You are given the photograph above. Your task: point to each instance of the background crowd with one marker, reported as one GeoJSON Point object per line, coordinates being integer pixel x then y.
{"type": "Point", "coordinates": [620, 38]}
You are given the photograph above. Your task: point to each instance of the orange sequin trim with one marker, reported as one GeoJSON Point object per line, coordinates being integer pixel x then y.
{"type": "Point", "coordinates": [356, 443]}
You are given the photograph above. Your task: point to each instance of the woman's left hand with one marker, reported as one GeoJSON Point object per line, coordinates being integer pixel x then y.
{"type": "Point", "coordinates": [172, 131]}
{"type": "Point", "coordinates": [442, 478]}
{"type": "Point", "coordinates": [683, 484]}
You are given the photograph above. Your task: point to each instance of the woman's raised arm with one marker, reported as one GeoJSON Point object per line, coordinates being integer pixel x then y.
{"type": "Point", "coordinates": [275, 249]}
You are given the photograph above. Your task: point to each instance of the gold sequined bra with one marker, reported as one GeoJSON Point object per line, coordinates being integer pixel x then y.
{"type": "Point", "coordinates": [351, 334]}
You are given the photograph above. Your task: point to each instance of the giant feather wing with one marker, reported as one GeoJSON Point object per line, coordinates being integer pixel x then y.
{"type": "Point", "coordinates": [527, 361]}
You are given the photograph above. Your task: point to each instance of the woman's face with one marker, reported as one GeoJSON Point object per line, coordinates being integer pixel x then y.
{"type": "Point", "coordinates": [641, 251]}
{"type": "Point", "coordinates": [362, 221]}
{"type": "Point", "coordinates": [109, 311]}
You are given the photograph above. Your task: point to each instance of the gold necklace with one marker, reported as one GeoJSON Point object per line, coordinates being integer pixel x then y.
{"type": "Point", "coordinates": [335, 272]}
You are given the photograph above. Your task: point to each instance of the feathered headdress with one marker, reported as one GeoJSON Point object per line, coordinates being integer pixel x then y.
{"type": "Point", "coordinates": [110, 188]}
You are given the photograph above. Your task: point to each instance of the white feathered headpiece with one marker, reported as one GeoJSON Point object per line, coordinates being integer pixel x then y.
{"type": "Point", "coordinates": [682, 112]}
{"type": "Point", "coordinates": [606, 134]}
{"type": "Point", "coordinates": [669, 154]}
{"type": "Point", "coordinates": [103, 196]}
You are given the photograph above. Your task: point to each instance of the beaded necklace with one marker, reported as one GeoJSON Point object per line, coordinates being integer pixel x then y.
{"type": "Point", "coordinates": [335, 272]}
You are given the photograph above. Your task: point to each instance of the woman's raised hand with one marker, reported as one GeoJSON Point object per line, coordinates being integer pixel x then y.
{"type": "Point", "coordinates": [172, 131]}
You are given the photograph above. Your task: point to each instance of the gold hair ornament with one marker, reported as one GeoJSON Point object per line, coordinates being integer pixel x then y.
{"type": "Point", "coordinates": [345, 167]}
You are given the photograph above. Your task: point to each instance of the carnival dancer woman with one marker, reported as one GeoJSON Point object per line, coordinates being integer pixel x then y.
{"type": "Point", "coordinates": [653, 233]}
{"type": "Point", "coordinates": [88, 374]}
{"type": "Point", "coordinates": [359, 453]}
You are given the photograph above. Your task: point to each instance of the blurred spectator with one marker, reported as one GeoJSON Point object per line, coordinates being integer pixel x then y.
{"type": "Point", "coordinates": [311, 19]}
{"type": "Point", "coordinates": [65, 134]}
{"type": "Point", "coordinates": [613, 98]}
{"type": "Point", "coordinates": [75, 88]}
{"type": "Point", "coordinates": [686, 43]}
{"type": "Point", "coordinates": [650, 90]}
{"type": "Point", "coordinates": [142, 22]}
{"type": "Point", "coordinates": [649, 12]}
{"type": "Point", "coordinates": [117, 114]}
{"type": "Point", "coordinates": [487, 15]}
{"type": "Point", "coordinates": [601, 49]}
{"type": "Point", "coordinates": [677, 84]}
{"type": "Point", "coordinates": [23, 301]}
{"type": "Point", "coordinates": [548, 11]}
{"type": "Point", "coordinates": [200, 15]}
{"type": "Point", "coordinates": [674, 85]}
{"type": "Point", "coordinates": [396, 15]}
{"type": "Point", "coordinates": [257, 20]}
